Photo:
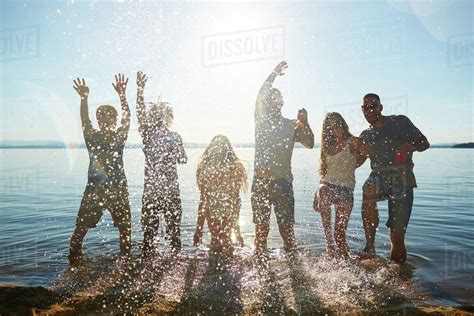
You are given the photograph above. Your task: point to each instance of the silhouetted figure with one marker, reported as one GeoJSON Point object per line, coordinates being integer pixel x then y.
{"type": "Point", "coordinates": [340, 151]}
{"type": "Point", "coordinates": [220, 177]}
{"type": "Point", "coordinates": [391, 141]}
{"type": "Point", "coordinates": [275, 137]}
{"type": "Point", "coordinates": [163, 150]}
{"type": "Point", "coordinates": [106, 184]}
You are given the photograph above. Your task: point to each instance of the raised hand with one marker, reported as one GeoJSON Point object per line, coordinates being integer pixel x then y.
{"type": "Point", "coordinates": [280, 68]}
{"type": "Point", "coordinates": [120, 84]}
{"type": "Point", "coordinates": [302, 116]}
{"type": "Point", "coordinates": [141, 79]}
{"type": "Point", "coordinates": [81, 87]}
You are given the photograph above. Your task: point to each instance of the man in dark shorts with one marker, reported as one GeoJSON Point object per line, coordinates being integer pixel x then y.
{"type": "Point", "coordinates": [391, 141]}
{"type": "Point", "coordinates": [106, 184]}
{"type": "Point", "coordinates": [275, 137]}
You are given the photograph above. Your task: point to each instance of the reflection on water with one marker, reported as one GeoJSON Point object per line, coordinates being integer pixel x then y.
{"type": "Point", "coordinates": [39, 199]}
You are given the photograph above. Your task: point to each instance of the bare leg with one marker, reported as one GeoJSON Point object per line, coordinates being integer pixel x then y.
{"type": "Point", "coordinates": [215, 235]}
{"type": "Point", "coordinates": [343, 213]}
{"type": "Point", "coordinates": [75, 247]}
{"type": "Point", "coordinates": [226, 230]}
{"type": "Point", "coordinates": [325, 210]}
{"type": "Point", "coordinates": [399, 251]}
{"type": "Point", "coordinates": [173, 221]}
{"type": "Point", "coordinates": [125, 239]}
{"type": "Point", "coordinates": [287, 232]}
{"type": "Point", "coordinates": [261, 234]}
{"type": "Point", "coordinates": [370, 216]}
{"type": "Point", "coordinates": [228, 235]}
{"type": "Point", "coordinates": [148, 238]}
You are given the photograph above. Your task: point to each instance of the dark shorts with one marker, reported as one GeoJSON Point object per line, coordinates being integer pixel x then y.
{"type": "Point", "coordinates": [392, 187]}
{"type": "Point", "coordinates": [152, 209]}
{"type": "Point", "coordinates": [98, 198]}
{"type": "Point", "coordinates": [277, 193]}
{"type": "Point", "coordinates": [338, 194]}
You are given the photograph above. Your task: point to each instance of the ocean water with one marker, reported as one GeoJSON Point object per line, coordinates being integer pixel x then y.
{"type": "Point", "coordinates": [41, 189]}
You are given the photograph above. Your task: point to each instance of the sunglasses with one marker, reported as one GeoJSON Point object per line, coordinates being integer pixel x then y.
{"type": "Point", "coordinates": [370, 107]}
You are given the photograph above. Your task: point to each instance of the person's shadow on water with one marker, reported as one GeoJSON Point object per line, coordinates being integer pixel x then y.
{"type": "Point", "coordinates": [272, 298]}
{"type": "Point", "coordinates": [302, 285]}
{"type": "Point", "coordinates": [217, 293]}
{"type": "Point", "coordinates": [128, 286]}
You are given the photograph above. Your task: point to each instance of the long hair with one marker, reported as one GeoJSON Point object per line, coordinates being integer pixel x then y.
{"type": "Point", "coordinates": [220, 161]}
{"type": "Point", "coordinates": [331, 121]}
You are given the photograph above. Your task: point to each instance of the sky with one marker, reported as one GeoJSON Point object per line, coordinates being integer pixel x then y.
{"type": "Point", "coordinates": [208, 60]}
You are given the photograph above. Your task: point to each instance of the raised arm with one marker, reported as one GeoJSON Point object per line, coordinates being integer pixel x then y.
{"type": "Point", "coordinates": [266, 89]}
{"type": "Point", "coordinates": [141, 111]}
{"type": "Point", "coordinates": [303, 132]}
{"type": "Point", "coordinates": [120, 86]}
{"type": "Point", "coordinates": [83, 90]}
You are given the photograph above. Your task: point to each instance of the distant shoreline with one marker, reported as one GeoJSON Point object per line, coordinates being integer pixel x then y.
{"type": "Point", "coordinates": [61, 145]}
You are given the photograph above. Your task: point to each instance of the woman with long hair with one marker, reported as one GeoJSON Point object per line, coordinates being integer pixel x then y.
{"type": "Point", "coordinates": [340, 151]}
{"type": "Point", "coordinates": [220, 178]}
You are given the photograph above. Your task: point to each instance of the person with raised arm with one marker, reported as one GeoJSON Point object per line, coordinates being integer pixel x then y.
{"type": "Point", "coordinates": [163, 150]}
{"type": "Point", "coordinates": [275, 137]}
{"type": "Point", "coordinates": [106, 186]}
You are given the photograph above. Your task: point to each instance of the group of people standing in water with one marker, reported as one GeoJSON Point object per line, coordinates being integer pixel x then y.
{"type": "Point", "coordinates": [389, 142]}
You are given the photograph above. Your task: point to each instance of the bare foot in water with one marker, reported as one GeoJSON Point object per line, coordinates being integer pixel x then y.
{"type": "Point", "coordinates": [331, 251]}
{"type": "Point", "coordinates": [367, 253]}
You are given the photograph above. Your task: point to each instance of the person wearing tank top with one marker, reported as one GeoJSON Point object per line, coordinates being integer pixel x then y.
{"type": "Point", "coordinates": [339, 159]}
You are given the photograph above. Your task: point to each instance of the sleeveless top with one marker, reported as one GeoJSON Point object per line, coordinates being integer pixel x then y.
{"type": "Point", "coordinates": [221, 196]}
{"type": "Point", "coordinates": [341, 168]}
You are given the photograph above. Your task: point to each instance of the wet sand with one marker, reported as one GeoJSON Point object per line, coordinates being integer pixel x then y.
{"type": "Point", "coordinates": [192, 285]}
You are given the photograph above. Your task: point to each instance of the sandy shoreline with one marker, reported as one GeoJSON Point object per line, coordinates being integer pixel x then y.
{"type": "Point", "coordinates": [167, 284]}
{"type": "Point", "coordinates": [40, 300]}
